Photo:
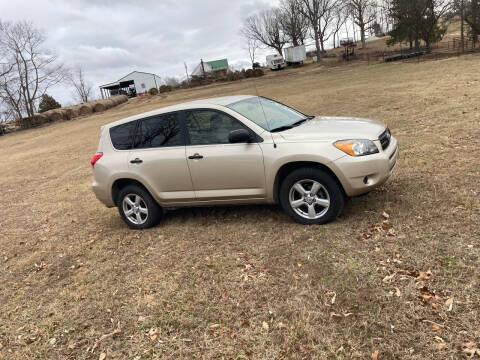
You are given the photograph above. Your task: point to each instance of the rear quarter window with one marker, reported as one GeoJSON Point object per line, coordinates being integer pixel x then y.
{"type": "Point", "coordinates": [122, 135]}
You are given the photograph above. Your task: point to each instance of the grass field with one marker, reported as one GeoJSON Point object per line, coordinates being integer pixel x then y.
{"type": "Point", "coordinates": [395, 277]}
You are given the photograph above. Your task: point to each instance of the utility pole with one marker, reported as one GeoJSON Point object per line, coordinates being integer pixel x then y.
{"type": "Point", "coordinates": [186, 72]}
{"type": "Point", "coordinates": [203, 68]}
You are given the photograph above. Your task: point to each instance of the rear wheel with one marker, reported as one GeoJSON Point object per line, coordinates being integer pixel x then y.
{"type": "Point", "coordinates": [137, 207]}
{"type": "Point", "coordinates": [311, 196]}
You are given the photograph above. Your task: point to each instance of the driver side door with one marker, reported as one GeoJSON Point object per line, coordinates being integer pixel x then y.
{"type": "Point", "coordinates": [219, 169]}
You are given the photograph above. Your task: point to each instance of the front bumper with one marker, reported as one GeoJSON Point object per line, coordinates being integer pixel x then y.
{"type": "Point", "coordinates": [360, 175]}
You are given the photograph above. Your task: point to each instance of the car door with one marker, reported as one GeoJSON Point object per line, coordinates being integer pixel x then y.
{"type": "Point", "coordinates": [221, 170]}
{"type": "Point", "coordinates": [158, 158]}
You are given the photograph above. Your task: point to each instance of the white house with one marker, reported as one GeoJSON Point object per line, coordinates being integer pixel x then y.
{"type": "Point", "coordinates": [134, 83]}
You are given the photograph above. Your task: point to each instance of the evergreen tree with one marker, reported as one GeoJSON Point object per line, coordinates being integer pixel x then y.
{"type": "Point", "coordinates": [48, 103]}
{"type": "Point", "coordinates": [418, 20]}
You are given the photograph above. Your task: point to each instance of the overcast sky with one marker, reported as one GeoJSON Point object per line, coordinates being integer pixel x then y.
{"type": "Point", "coordinates": [110, 38]}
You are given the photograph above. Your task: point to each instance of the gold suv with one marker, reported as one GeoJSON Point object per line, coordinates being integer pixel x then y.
{"type": "Point", "coordinates": [239, 150]}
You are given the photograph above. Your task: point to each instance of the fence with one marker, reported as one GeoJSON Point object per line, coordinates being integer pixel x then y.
{"type": "Point", "coordinates": [438, 50]}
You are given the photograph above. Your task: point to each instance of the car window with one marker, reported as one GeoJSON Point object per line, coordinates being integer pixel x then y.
{"type": "Point", "coordinates": [159, 131]}
{"type": "Point", "coordinates": [210, 127]}
{"type": "Point", "coordinates": [122, 135]}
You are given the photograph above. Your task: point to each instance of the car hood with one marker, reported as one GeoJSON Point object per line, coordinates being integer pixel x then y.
{"type": "Point", "coordinates": [334, 128]}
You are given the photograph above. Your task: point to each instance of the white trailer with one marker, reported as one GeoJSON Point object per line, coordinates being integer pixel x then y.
{"type": "Point", "coordinates": [295, 54]}
{"type": "Point", "coordinates": [275, 62]}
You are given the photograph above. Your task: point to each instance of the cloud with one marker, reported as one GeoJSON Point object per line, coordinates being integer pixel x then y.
{"type": "Point", "coordinates": [111, 38]}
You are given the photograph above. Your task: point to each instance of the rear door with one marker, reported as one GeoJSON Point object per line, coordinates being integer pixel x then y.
{"type": "Point", "coordinates": [221, 170]}
{"type": "Point", "coordinates": [159, 159]}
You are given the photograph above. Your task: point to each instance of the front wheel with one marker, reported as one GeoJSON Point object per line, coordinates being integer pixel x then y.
{"type": "Point", "coordinates": [311, 196]}
{"type": "Point", "coordinates": [137, 207]}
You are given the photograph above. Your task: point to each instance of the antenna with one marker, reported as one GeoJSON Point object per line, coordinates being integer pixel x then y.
{"type": "Point", "coordinates": [263, 111]}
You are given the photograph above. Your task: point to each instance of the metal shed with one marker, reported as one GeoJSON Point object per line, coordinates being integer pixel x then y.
{"type": "Point", "coordinates": [132, 84]}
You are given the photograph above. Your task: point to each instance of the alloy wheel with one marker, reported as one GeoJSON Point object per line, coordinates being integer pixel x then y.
{"type": "Point", "coordinates": [309, 199]}
{"type": "Point", "coordinates": [135, 209]}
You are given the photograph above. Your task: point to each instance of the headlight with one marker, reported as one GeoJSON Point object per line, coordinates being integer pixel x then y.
{"type": "Point", "coordinates": [357, 147]}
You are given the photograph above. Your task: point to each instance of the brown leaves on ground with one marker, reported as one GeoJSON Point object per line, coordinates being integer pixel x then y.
{"type": "Point", "coordinates": [471, 349]}
{"type": "Point", "coordinates": [153, 334]}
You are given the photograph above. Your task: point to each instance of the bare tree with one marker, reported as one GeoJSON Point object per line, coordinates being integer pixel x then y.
{"type": "Point", "coordinates": [294, 23]}
{"type": "Point", "coordinates": [340, 17]}
{"type": "Point", "coordinates": [364, 14]}
{"type": "Point", "coordinates": [83, 90]}
{"type": "Point", "coordinates": [319, 14]}
{"type": "Point", "coordinates": [326, 21]}
{"type": "Point", "coordinates": [265, 27]}
{"type": "Point", "coordinates": [251, 46]}
{"type": "Point", "coordinates": [33, 69]}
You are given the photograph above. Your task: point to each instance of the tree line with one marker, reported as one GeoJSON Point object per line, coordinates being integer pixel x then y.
{"type": "Point", "coordinates": [294, 22]}
{"type": "Point", "coordinates": [28, 70]}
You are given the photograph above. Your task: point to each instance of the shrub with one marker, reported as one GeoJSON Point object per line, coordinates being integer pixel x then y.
{"type": "Point", "coordinates": [249, 73]}
{"type": "Point", "coordinates": [165, 88]}
{"type": "Point", "coordinates": [259, 72]}
{"type": "Point", "coordinates": [153, 91]}
{"type": "Point", "coordinates": [48, 103]}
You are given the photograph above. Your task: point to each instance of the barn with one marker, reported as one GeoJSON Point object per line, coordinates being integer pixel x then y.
{"type": "Point", "coordinates": [136, 82]}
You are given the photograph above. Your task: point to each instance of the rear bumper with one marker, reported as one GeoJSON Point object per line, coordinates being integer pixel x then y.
{"type": "Point", "coordinates": [103, 194]}
{"type": "Point", "coordinates": [360, 175]}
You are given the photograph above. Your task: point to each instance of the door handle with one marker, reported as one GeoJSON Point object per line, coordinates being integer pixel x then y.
{"type": "Point", "coordinates": [196, 156]}
{"type": "Point", "coordinates": [136, 161]}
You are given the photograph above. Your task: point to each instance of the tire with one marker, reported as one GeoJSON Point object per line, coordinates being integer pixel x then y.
{"type": "Point", "coordinates": [145, 211]}
{"type": "Point", "coordinates": [297, 201]}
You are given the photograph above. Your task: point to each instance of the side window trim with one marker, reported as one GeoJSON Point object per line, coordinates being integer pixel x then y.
{"type": "Point", "coordinates": [182, 130]}
{"type": "Point", "coordinates": [188, 142]}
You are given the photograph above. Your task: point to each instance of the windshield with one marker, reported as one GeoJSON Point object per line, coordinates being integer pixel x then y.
{"type": "Point", "coordinates": [267, 113]}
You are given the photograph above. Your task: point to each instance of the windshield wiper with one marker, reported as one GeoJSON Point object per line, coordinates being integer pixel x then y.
{"type": "Point", "coordinates": [295, 124]}
{"type": "Point", "coordinates": [281, 128]}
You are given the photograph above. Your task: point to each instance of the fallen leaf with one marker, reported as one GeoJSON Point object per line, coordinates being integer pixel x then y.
{"type": "Point", "coordinates": [436, 328]}
{"type": "Point", "coordinates": [335, 316]}
{"type": "Point", "coordinates": [386, 225]}
{"type": "Point", "coordinates": [153, 333]}
{"type": "Point", "coordinates": [388, 278]}
{"type": "Point", "coordinates": [265, 325]}
{"type": "Point", "coordinates": [102, 356]}
{"type": "Point", "coordinates": [391, 232]}
{"type": "Point", "coordinates": [398, 292]}
{"type": "Point", "coordinates": [424, 275]}
{"type": "Point", "coordinates": [385, 215]}
{"type": "Point", "coordinates": [449, 304]}
{"type": "Point", "coordinates": [52, 341]}
{"type": "Point", "coordinates": [375, 355]}
{"type": "Point", "coordinates": [333, 298]}
{"type": "Point", "coordinates": [439, 339]}
{"type": "Point", "coordinates": [340, 349]}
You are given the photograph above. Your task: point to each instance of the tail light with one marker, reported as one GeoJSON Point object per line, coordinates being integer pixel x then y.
{"type": "Point", "coordinates": [95, 158]}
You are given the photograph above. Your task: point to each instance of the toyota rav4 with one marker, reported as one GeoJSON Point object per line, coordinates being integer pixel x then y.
{"type": "Point", "coordinates": [239, 150]}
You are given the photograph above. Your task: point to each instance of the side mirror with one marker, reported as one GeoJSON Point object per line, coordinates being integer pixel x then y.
{"type": "Point", "coordinates": [239, 136]}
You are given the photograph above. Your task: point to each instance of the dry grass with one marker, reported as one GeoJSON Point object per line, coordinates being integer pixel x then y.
{"type": "Point", "coordinates": [246, 282]}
